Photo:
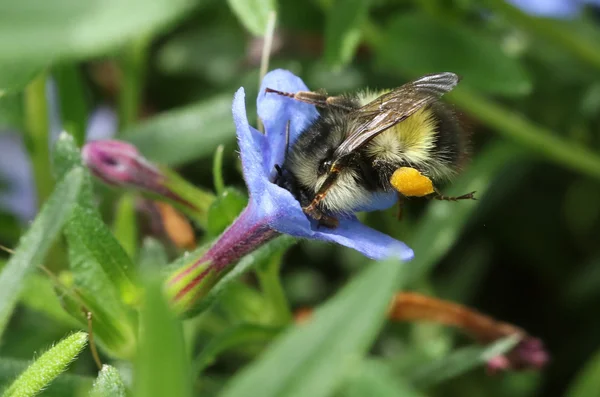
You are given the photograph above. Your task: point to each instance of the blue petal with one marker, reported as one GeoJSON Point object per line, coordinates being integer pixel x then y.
{"type": "Point", "coordinates": [376, 245]}
{"type": "Point", "coordinates": [549, 8]}
{"type": "Point", "coordinates": [252, 145]}
{"type": "Point", "coordinates": [276, 110]}
{"type": "Point", "coordinates": [286, 216]}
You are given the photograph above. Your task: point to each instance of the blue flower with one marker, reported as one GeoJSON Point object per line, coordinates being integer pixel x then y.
{"type": "Point", "coordinates": [552, 8]}
{"type": "Point", "coordinates": [275, 207]}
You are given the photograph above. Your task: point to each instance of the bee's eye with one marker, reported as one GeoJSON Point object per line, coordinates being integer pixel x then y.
{"type": "Point", "coordinates": [324, 166]}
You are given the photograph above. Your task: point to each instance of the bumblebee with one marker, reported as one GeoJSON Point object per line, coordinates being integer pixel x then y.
{"type": "Point", "coordinates": [363, 145]}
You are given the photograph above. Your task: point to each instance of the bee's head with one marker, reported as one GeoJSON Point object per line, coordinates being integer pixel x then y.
{"type": "Point", "coordinates": [309, 163]}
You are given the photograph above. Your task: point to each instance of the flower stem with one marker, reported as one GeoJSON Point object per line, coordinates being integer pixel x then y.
{"type": "Point", "coordinates": [133, 74]}
{"type": "Point", "coordinates": [269, 277]}
{"type": "Point", "coordinates": [37, 138]}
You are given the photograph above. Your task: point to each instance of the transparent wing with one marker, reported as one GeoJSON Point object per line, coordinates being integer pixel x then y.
{"type": "Point", "coordinates": [394, 107]}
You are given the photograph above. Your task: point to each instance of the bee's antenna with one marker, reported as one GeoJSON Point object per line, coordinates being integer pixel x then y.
{"type": "Point", "coordinates": [287, 94]}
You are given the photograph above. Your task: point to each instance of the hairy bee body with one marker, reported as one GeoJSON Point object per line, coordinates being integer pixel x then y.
{"type": "Point", "coordinates": [430, 141]}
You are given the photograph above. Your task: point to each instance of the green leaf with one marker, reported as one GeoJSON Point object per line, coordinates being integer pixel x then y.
{"type": "Point", "coordinates": [343, 30]}
{"type": "Point", "coordinates": [587, 380]}
{"type": "Point", "coordinates": [254, 14]}
{"type": "Point", "coordinates": [34, 245]}
{"type": "Point", "coordinates": [223, 211]}
{"type": "Point", "coordinates": [313, 359]}
{"type": "Point", "coordinates": [375, 378]}
{"type": "Point", "coordinates": [112, 319]}
{"type": "Point", "coordinates": [459, 362]}
{"type": "Point", "coordinates": [162, 367]}
{"type": "Point", "coordinates": [238, 336]}
{"type": "Point", "coordinates": [65, 385]}
{"type": "Point", "coordinates": [184, 134]}
{"type": "Point", "coordinates": [76, 29]}
{"type": "Point", "coordinates": [418, 44]}
{"type": "Point", "coordinates": [244, 265]}
{"type": "Point", "coordinates": [108, 383]}
{"type": "Point", "coordinates": [15, 76]}
{"type": "Point", "coordinates": [96, 243]}
{"type": "Point", "coordinates": [47, 367]}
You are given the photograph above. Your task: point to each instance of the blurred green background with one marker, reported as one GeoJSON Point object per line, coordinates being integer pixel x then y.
{"type": "Point", "coordinates": [161, 74]}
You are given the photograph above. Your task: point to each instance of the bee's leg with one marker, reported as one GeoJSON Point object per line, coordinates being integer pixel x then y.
{"type": "Point", "coordinates": [401, 202]}
{"type": "Point", "coordinates": [329, 222]}
{"type": "Point", "coordinates": [324, 220]}
{"type": "Point", "coordinates": [467, 196]}
{"type": "Point", "coordinates": [318, 99]}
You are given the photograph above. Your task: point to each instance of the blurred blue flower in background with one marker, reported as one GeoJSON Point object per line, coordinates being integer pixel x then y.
{"type": "Point", "coordinates": [17, 187]}
{"type": "Point", "coordinates": [553, 8]}
{"type": "Point", "coordinates": [275, 206]}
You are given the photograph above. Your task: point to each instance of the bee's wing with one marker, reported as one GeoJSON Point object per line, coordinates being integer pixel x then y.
{"type": "Point", "coordinates": [394, 107]}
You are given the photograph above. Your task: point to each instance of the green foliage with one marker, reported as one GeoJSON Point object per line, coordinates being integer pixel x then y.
{"type": "Point", "coordinates": [343, 30]}
{"type": "Point", "coordinates": [47, 367]}
{"type": "Point", "coordinates": [254, 14]}
{"type": "Point", "coordinates": [320, 354]}
{"type": "Point", "coordinates": [525, 252]}
{"type": "Point", "coordinates": [161, 366]}
{"type": "Point", "coordinates": [184, 134]}
{"type": "Point", "coordinates": [34, 245]}
{"type": "Point", "coordinates": [420, 44]}
{"type": "Point", "coordinates": [74, 29]}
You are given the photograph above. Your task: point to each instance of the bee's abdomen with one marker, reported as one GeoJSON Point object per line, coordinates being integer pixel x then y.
{"type": "Point", "coordinates": [450, 145]}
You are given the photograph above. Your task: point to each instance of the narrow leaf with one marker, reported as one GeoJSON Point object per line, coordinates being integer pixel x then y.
{"type": "Point", "coordinates": [343, 30]}
{"type": "Point", "coordinates": [97, 243]}
{"type": "Point", "coordinates": [313, 359]}
{"type": "Point", "coordinates": [46, 368]}
{"type": "Point", "coordinates": [162, 367]}
{"type": "Point", "coordinates": [253, 14]}
{"type": "Point", "coordinates": [108, 383]}
{"type": "Point", "coordinates": [34, 245]}
{"type": "Point", "coordinates": [459, 362]}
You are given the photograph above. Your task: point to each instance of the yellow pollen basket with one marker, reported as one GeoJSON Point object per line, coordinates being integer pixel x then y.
{"type": "Point", "coordinates": [411, 183]}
